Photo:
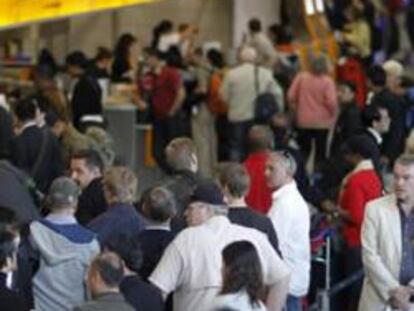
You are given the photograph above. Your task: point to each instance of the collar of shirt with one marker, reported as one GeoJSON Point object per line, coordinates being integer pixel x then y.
{"type": "Point", "coordinates": [284, 189]}
{"type": "Point", "coordinates": [363, 165]}
{"type": "Point", "coordinates": [61, 219]}
{"type": "Point", "coordinates": [369, 98]}
{"type": "Point", "coordinates": [376, 135]}
{"type": "Point", "coordinates": [158, 227]}
{"type": "Point", "coordinates": [27, 125]}
{"type": "Point", "coordinates": [216, 221]}
{"type": "Point", "coordinates": [9, 280]}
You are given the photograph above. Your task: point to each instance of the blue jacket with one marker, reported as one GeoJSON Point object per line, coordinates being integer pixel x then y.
{"type": "Point", "coordinates": [120, 219]}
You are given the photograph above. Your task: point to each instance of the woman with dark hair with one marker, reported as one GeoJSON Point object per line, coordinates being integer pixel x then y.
{"type": "Point", "coordinates": [125, 61]}
{"type": "Point", "coordinates": [165, 27]}
{"type": "Point", "coordinates": [46, 62]}
{"type": "Point", "coordinates": [243, 286]}
{"type": "Point", "coordinates": [101, 65]}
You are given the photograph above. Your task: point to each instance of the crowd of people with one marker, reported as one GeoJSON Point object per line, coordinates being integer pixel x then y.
{"type": "Point", "coordinates": [251, 155]}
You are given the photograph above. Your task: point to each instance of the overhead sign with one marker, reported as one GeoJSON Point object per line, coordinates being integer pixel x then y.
{"type": "Point", "coordinates": [14, 12]}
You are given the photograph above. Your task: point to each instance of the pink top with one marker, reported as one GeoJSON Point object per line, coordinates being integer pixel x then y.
{"type": "Point", "coordinates": [314, 99]}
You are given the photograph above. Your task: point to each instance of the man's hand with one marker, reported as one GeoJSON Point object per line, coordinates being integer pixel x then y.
{"type": "Point", "coordinates": [328, 206]}
{"type": "Point", "coordinates": [400, 297]}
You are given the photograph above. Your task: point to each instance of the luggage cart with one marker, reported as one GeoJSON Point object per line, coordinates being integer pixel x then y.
{"type": "Point", "coordinates": [322, 253]}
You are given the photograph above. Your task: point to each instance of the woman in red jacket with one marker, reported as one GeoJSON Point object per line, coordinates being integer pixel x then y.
{"type": "Point", "coordinates": [359, 187]}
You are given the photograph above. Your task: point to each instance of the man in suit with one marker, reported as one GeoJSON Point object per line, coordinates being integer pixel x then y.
{"type": "Point", "coordinates": [383, 97]}
{"type": "Point", "coordinates": [349, 119]}
{"type": "Point", "coordinates": [376, 122]}
{"type": "Point", "coordinates": [35, 150]}
{"type": "Point", "coordinates": [86, 168]}
{"type": "Point", "coordinates": [105, 274]}
{"type": "Point", "coordinates": [387, 248]}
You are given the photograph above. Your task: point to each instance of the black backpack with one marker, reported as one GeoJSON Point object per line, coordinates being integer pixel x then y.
{"type": "Point", "coordinates": [265, 104]}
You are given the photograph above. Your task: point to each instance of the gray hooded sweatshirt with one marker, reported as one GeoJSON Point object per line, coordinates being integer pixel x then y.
{"type": "Point", "coordinates": [66, 250]}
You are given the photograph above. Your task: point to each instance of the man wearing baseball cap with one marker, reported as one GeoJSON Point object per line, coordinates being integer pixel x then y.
{"type": "Point", "coordinates": [65, 250]}
{"type": "Point", "coordinates": [191, 265]}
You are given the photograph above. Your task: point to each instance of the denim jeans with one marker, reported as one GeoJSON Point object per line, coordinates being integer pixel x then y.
{"type": "Point", "coordinates": [293, 303]}
{"type": "Point", "coordinates": [238, 140]}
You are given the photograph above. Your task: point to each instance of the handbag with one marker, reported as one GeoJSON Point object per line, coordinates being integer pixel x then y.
{"type": "Point", "coordinates": [265, 105]}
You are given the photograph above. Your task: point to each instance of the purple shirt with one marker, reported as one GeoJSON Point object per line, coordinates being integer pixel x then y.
{"type": "Point", "coordinates": [407, 261]}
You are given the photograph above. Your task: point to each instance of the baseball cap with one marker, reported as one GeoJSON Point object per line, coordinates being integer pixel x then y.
{"type": "Point", "coordinates": [208, 192]}
{"type": "Point", "coordinates": [63, 191]}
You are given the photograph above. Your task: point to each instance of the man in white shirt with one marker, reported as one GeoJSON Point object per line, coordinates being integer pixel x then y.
{"type": "Point", "coordinates": [240, 88]}
{"type": "Point", "coordinates": [266, 53]}
{"type": "Point", "coordinates": [191, 264]}
{"type": "Point", "coordinates": [290, 216]}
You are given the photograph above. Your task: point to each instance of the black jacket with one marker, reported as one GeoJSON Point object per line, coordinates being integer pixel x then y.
{"type": "Point", "coordinates": [348, 123]}
{"type": "Point", "coordinates": [26, 149]}
{"type": "Point", "coordinates": [375, 148]}
{"type": "Point", "coordinates": [91, 203]}
{"type": "Point", "coordinates": [153, 244]}
{"type": "Point", "coordinates": [6, 133]}
{"type": "Point", "coordinates": [394, 140]}
{"type": "Point", "coordinates": [9, 299]}
{"type": "Point", "coordinates": [87, 99]}
{"type": "Point", "coordinates": [14, 193]}
{"type": "Point", "coordinates": [182, 184]}
{"type": "Point", "coordinates": [247, 217]}
{"type": "Point", "coordinates": [140, 295]}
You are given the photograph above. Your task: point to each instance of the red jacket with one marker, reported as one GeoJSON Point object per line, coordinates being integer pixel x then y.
{"type": "Point", "coordinates": [359, 188]}
{"type": "Point", "coordinates": [259, 197]}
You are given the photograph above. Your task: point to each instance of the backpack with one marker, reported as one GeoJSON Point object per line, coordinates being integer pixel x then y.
{"type": "Point", "coordinates": [214, 102]}
{"type": "Point", "coordinates": [265, 104]}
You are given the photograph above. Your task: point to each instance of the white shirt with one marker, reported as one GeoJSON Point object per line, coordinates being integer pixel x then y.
{"type": "Point", "coordinates": [291, 218]}
{"type": "Point", "coordinates": [168, 40]}
{"type": "Point", "coordinates": [191, 264]}
{"type": "Point", "coordinates": [236, 301]}
{"type": "Point", "coordinates": [266, 53]}
{"type": "Point", "coordinates": [238, 90]}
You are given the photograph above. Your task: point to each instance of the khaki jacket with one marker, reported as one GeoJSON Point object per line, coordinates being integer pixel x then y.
{"type": "Point", "coordinates": [381, 253]}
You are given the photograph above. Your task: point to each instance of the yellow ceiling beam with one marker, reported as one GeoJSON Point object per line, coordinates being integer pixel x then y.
{"type": "Point", "coordinates": [13, 12]}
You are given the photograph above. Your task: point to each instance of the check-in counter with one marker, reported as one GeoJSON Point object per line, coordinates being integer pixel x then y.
{"type": "Point", "coordinates": [121, 126]}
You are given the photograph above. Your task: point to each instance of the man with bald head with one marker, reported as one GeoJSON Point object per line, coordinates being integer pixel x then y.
{"type": "Point", "coordinates": [240, 88]}
{"type": "Point", "coordinates": [290, 216]}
